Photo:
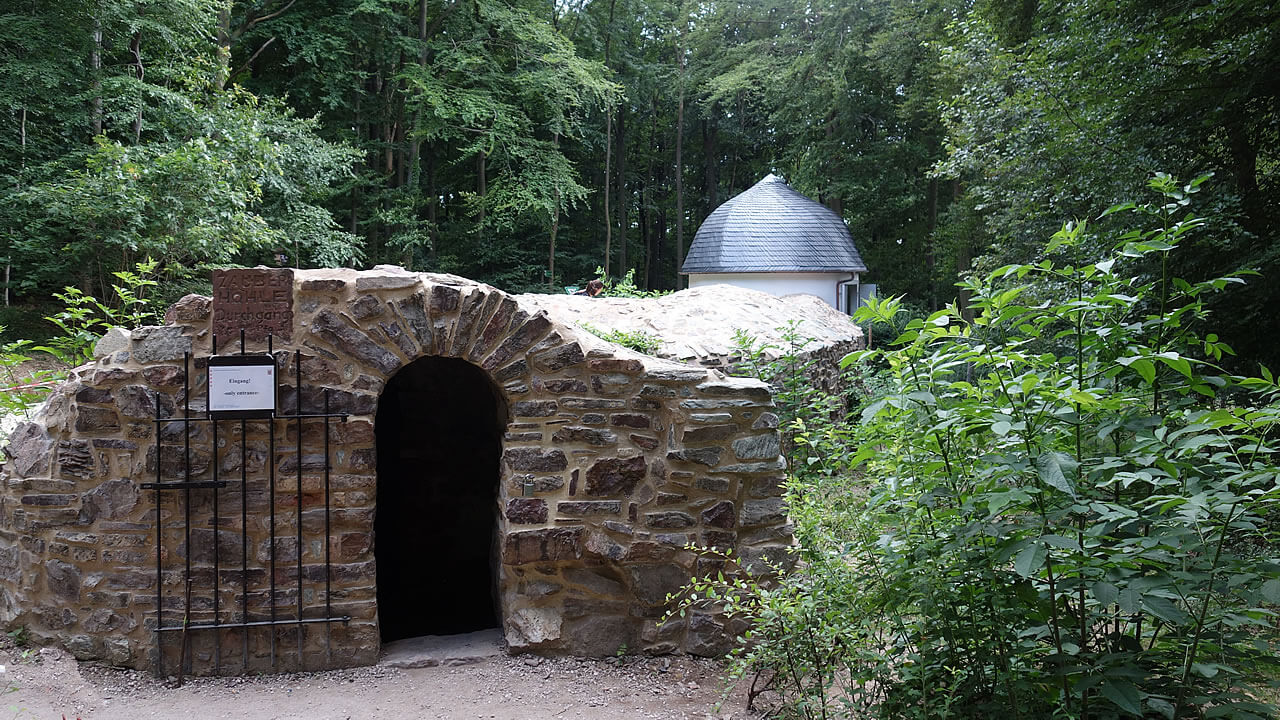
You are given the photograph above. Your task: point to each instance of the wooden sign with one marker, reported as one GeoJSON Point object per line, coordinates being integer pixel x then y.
{"type": "Point", "coordinates": [257, 300]}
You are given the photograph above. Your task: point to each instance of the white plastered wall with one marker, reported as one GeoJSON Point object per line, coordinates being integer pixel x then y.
{"type": "Point", "coordinates": [822, 285]}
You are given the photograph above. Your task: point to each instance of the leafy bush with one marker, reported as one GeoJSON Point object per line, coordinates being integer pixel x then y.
{"type": "Point", "coordinates": [638, 340]}
{"type": "Point", "coordinates": [84, 318]}
{"type": "Point", "coordinates": [1056, 510]}
{"type": "Point", "coordinates": [625, 286]}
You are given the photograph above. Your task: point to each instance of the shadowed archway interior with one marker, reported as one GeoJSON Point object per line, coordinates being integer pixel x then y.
{"type": "Point", "coordinates": [439, 437]}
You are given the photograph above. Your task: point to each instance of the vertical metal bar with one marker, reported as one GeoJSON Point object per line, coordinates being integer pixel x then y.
{"type": "Point", "coordinates": [297, 394]}
{"type": "Point", "coordinates": [328, 568]}
{"type": "Point", "coordinates": [159, 543]}
{"type": "Point", "coordinates": [186, 493]}
{"type": "Point", "coordinates": [244, 538]}
{"type": "Point", "coordinates": [271, 498]}
{"type": "Point", "coordinates": [217, 636]}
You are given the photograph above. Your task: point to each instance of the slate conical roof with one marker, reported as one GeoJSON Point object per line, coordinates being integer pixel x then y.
{"type": "Point", "coordinates": [771, 228]}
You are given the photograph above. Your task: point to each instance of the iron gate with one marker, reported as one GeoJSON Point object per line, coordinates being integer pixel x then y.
{"type": "Point", "coordinates": [190, 493]}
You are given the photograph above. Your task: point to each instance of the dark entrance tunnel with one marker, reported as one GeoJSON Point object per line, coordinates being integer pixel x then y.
{"type": "Point", "coordinates": [439, 438]}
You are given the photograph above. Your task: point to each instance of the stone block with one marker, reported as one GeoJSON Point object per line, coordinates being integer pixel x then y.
{"type": "Point", "coordinates": [535, 408]}
{"type": "Point", "coordinates": [526, 511]}
{"type": "Point", "coordinates": [189, 310]}
{"type": "Point", "coordinates": [757, 447]}
{"type": "Point", "coordinates": [156, 344]}
{"type": "Point", "coordinates": [653, 583]}
{"type": "Point", "coordinates": [536, 460]}
{"type": "Point", "coordinates": [28, 450]}
{"type": "Point", "coordinates": [708, 456]}
{"type": "Point", "coordinates": [615, 476]}
{"type": "Point", "coordinates": [589, 436]}
{"type": "Point", "coordinates": [329, 327]}
{"type": "Point", "coordinates": [708, 433]}
{"type": "Point", "coordinates": [582, 508]}
{"type": "Point", "coordinates": [546, 545]}
{"type": "Point", "coordinates": [721, 515]}
{"type": "Point", "coordinates": [762, 512]}
{"type": "Point", "coordinates": [62, 579]}
{"type": "Point", "coordinates": [96, 419]}
{"type": "Point", "coordinates": [670, 520]}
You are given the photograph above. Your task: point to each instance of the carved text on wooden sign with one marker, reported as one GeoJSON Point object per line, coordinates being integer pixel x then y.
{"type": "Point", "coordinates": [259, 300]}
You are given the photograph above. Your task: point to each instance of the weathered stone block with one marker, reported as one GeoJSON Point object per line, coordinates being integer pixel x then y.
{"type": "Point", "coordinates": [708, 456]}
{"type": "Point", "coordinates": [757, 447]}
{"type": "Point", "coordinates": [526, 511]}
{"type": "Point", "coordinates": [590, 436]}
{"type": "Point", "coordinates": [156, 344]}
{"type": "Point", "coordinates": [96, 419]}
{"type": "Point", "coordinates": [653, 583]}
{"type": "Point", "coordinates": [709, 433]}
{"type": "Point", "coordinates": [615, 476]}
{"type": "Point", "coordinates": [366, 306]}
{"type": "Point", "coordinates": [535, 460]}
{"type": "Point", "coordinates": [581, 508]}
{"type": "Point", "coordinates": [559, 358]}
{"type": "Point", "coordinates": [535, 408]}
{"type": "Point", "coordinates": [672, 520]}
{"type": "Point", "coordinates": [29, 449]}
{"type": "Point", "coordinates": [62, 579]}
{"type": "Point", "coordinates": [721, 515]}
{"type": "Point", "coordinates": [548, 545]}
{"type": "Point", "coordinates": [631, 420]}
{"type": "Point", "coordinates": [329, 327]}
{"type": "Point", "coordinates": [761, 512]}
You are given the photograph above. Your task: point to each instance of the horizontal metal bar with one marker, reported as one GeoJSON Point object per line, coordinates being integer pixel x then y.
{"type": "Point", "coordinates": [257, 623]}
{"type": "Point", "coordinates": [184, 485]}
{"type": "Point", "coordinates": [194, 419]}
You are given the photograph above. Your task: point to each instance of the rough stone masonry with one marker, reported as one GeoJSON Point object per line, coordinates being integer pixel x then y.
{"type": "Point", "coordinates": [613, 464]}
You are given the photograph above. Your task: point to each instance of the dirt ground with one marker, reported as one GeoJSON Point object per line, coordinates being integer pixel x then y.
{"type": "Point", "coordinates": [50, 684]}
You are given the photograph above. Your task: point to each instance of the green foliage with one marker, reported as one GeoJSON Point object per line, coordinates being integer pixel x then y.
{"type": "Point", "coordinates": [625, 286]}
{"type": "Point", "coordinates": [1057, 509]}
{"type": "Point", "coordinates": [638, 340]}
{"type": "Point", "coordinates": [84, 318]}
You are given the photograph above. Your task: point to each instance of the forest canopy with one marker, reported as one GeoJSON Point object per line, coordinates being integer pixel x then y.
{"type": "Point", "coordinates": [525, 143]}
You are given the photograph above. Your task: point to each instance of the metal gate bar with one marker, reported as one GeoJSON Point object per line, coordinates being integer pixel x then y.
{"type": "Point", "coordinates": [187, 484]}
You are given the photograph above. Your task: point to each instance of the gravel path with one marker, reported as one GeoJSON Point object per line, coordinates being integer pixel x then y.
{"type": "Point", "coordinates": [49, 683]}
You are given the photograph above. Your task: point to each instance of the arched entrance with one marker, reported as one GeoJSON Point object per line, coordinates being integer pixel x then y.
{"type": "Point", "coordinates": [439, 441]}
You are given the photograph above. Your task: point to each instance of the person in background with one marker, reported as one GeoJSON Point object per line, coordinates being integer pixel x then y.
{"type": "Point", "coordinates": [593, 288]}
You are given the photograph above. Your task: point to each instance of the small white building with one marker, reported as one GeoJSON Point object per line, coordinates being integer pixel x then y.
{"type": "Point", "coordinates": [773, 239]}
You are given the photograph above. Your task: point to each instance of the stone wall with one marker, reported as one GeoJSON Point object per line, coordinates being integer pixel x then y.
{"type": "Point", "coordinates": [613, 463]}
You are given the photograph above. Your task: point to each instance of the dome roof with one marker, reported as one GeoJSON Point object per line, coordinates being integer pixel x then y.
{"type": "Point", "coordinates": [771, 228]}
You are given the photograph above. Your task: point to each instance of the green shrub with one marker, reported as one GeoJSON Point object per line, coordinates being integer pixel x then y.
{"type": "Point", "coordinates": [1057, 510]}
{"type": "Point", "coordinates": [638, 340]}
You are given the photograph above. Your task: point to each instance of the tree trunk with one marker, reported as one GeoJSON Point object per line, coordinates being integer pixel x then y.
{"type": "Point", "coordinates": [623, 220]}
{"type": "Point", "coordinates": [608, 147]}
{"type": "Point", "coordinates": [679, 170]}
{"type": "Point", "coordinates": [930, 251]}
{"type": "Point", "coordinates": [710, 163]}
{"type": "Point", "coordinates": [135, 48]}
{"type": "Point", "coordinates": [608, 224]}
{"type": "Point", "coordinates": [415, 145]}
{"type": "Point", "coordinates": [95, 71]}
{"type": "Point", "coordinates": [432, 210]}
{"type": "Point", "coordinates": [555, 227]}
{"type": "Point", "coordinates": [483, 188]}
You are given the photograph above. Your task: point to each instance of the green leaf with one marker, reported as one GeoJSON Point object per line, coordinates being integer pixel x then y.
{"type": "Point", "coordinates": [1105, 592]}
{"type": "Point", "coordinates": [1001, 427]}
{"type": "Point", "coordinates": [1271, 591]}
{"type": "Point", "coordinates": [1052, 467]}
{"type": "Point", "coordinates": [1124, 695]}
{"type": "Point", "coordinates": [1030, 560]}
{"type": "Point", "coordinates": [1164, 608]}
{"type": "Point", "coordinates": [1142, 366]}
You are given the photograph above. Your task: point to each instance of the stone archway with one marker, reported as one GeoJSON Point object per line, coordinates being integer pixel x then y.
{"type": "Point", "coordinates": [439, 440]}
{"type": "Point", "coordinates": [612, 465]}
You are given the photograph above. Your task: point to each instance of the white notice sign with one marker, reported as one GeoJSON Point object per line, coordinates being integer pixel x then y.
{"type": "Point", "coordinates": [242, 388]}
